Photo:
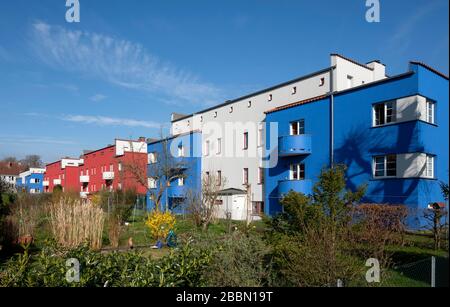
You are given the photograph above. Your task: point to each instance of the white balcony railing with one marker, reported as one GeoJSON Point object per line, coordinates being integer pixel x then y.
{"type": "Point", "coordinates": [45, 183]}
{"type": "Point", "coordinates": [108, 175]}
{"type": "Point", "coordinates": [84, 179]}
{"type": "Point", "coordinates": [57, 181]}
{"type": "Point", "coordinates": [84, 194]}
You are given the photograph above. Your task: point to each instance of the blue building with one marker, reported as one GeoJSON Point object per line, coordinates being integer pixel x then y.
{"type": "Point", "coordinates": [392, 134]}
{"type": "Point", "coordinates": [174, 161]}
{"type": "Point", "coordinates": [31, 181]}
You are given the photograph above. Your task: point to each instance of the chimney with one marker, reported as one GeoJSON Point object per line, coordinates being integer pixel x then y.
{"type": "Point", "coordinates": [379, 70]}
{"type": "Point", "coordinates": [141, 139]}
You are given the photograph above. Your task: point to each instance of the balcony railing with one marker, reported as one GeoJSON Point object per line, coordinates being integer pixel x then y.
{"type": "Point", "coordinates": [56, 181]}
{"type": "Point", "coordinates": [300, 186]}
{"type": "Point", "coordinates": [294, 145]}
{"type": "Point", "coordinates": [177, 191]}
{"type": "Point", "coordinates": [84, 194]}
{"type": "Point", "coordinates": [45, 183]}
{"type": "Point", "coordinates": [84, 179]}
{"type": "Point", "coordinates": [108, 176]}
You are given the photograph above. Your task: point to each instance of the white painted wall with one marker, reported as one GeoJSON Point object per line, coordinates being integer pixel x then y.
{"type": "Point", "coordinates": [123, 146]}
{"type": "Point", "coordinates": [411, 165]}
{"type": "Point", "coordinates": [71, 162]}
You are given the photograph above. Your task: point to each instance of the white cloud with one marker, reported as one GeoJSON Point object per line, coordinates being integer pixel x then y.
{"type": "Point", "coordinates": [120, 62]}
{"type": "Point", "coordinates": [109, 121]}
{"type": "Point", "coordinates": [98, 97]}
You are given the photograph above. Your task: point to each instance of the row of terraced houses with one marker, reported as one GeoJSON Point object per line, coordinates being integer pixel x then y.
{"type": "Point", "coordinates": [390, 131]}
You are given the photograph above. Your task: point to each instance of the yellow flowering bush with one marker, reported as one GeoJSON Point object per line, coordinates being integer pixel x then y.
{"type": "Point", "coordinates": [160, 223]}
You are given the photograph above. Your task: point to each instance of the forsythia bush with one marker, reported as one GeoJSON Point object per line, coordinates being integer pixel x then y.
{"type": "Point", "coordinates": [160, 223]}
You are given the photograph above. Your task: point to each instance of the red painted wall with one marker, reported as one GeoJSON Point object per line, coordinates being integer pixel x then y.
{"type": "Point", "coordinates": [68, 175]}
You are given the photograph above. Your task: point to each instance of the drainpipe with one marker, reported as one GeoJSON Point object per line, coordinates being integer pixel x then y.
{"type": "Point", "coordinates": [332, 117]}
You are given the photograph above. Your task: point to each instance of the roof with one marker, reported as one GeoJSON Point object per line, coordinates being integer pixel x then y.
{"type": "Point", "coordinates": [258, 92]}
{"type": "Point", "coordinates": [11, 168]}
{"type": "Point", "coordinates": [430, 69]}
{"type": "Point", "coordinates": [291, 105]}
{"type": "Point", "coordinates": [353, 61]}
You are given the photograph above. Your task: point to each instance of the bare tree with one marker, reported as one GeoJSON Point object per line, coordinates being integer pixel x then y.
{"type": "Point", "coordinates": [32, 161]}
{"type": "Point", "coordinates": [165, 169]}
{"type": "Point", "coordinates": [435, 216]}
{"type": "Point", "coordinates": [202, 206]}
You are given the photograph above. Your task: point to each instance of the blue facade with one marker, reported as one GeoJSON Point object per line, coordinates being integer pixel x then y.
{"type": "Point", "coordinates": [33, 183]}
{"type": "Point", "coordinates": [357, 142]}
{"type": "Point", "coordinates": [189, 165]}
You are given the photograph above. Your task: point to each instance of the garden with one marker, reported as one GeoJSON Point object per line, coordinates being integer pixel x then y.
{"type": "Point", "coordinates": [319, 241]}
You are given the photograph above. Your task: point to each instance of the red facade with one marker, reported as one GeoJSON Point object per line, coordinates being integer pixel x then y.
{"type": "Point", "coordinates": [103, 169]}
{"type": "Point", "coordinates": [63, 173]}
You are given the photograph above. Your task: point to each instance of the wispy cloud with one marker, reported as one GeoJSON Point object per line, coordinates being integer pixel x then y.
{"type": "Point", "coordinates": [98, 98]}
{"type": "Point", "coordinates": [403, 35]}
{"type": "Point", "coordinates": [26, 139]}
{"type": "Point", "coordinates": [109, 121]}
{"type": "Point", "coordinates": [119, 62]}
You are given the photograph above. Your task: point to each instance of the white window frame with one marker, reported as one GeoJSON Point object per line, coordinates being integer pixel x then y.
{"type": "Point", "coordinates": [245, 176]}
{"type": "Point", "coordinates": [245, 140]}
{"type": "Point", "coordinates": [152, 158]}
{"type": "Point", "coordinates": [431, 118]}
{"type": "Point", "coordinates": [151, 182]}
{"type": "Point", "coordinates": [270, 97]}
{"type": "Point", "coordinates": [181, 181]}
{"type": "Point", "coordinates": [429, 166]}
{"type": "Point", "coordinates": [294, 90]}
{"type": "Point", "coordinates": [180, 151]}
{"type": "Point", "coordinates": [350, 81]}
{"type": "Point", "coordinates": [393, 116]}
{"type": "Point", "coordinates": [297, 123]}
{"type": "Point", "coordinates": [219, 146]}
{"type": "Point", "coordinates": [260, 175]}
{"type": "Point", "coordinates": [297, 168]}
{"type": "Point", "coordinates": [206, 148]}
{"type": "Point", "coordinates": [260, 136]}
{"type": "Point", "coordinates": [385, 166]}
{"type": "Point", "coordinates": [249, 104]}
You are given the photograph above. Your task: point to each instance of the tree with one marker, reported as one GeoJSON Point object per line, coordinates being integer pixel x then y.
{"type": "Point", "coordinates": [203, 208]}
{"type": "Point", "coordinates": [166, 169]}
{"type": "Point", "coordinates": [10, 159]}
{"type": "Point", "coordinates": [32, 161]}
{"type": "Point", "coordinates": [435, 216]}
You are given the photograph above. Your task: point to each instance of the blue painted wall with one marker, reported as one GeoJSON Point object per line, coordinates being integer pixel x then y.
{"type": "Point", "coordinates": [192, 171]}
{"type": "Point", "coordinates": [356, 142]}
{"type": "Point", "coordinates": [27, 185]}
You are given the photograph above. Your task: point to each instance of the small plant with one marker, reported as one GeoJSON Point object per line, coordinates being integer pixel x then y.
{"type": "Point", "coordinates": [160, 223]}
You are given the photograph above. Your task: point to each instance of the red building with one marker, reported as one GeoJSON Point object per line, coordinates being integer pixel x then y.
{"type": "Point", "coordinates": [63, 173]}
{"type": "Point", "coordinates": [108, 168]}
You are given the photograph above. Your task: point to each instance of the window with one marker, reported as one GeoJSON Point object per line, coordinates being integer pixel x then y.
{"type": "Point", "coordinates": [245, 140]}
{"type": "Point", "coordinates": [181, 181]}
{"type": "Point", "coordinates": [257, 208]}
{"type": "Point", "coordinates": [219, 178]}
{"type": "Point", "coordinates": [111, 168]}
{"type": "Point", "coordinates": [231, 109]}
{"type": "Point", "coordinates": [215, 114]}
{"type": "Point", "coordinates": [152, 158]}
{"type": "Point", "coordinates": [207, 177]}
{"type": "Point", "coordinates": [206, 148]}
{"type": "Point", "coordinates": [349, 81]}
{"type": "Point", "coordinates": [270, 97]}
{"type": "Point", "coordinates": [249, 104]}
{"type": "Point", "coordinates": [245, 176]}
{"type": "Point", "coordinates": [298, 127]}
{"type": "Point", "coordinates": [430, 112]}
{"type": "Point", "coordinates": [430, 166]}
{"type": "Point", "coordinates": [119, 166]}
{"type": "Point", "coordinates": [188, 123]}
{"type": "Point", "coordinates": [385, 166]}
{"type": "Point", "coordinates": [260, 136]}
{"type": "Point", "coordinates": [119, 186]}
{"type": "Point", "coordinates": [294, 90]}
{"type": "Point", "coordinates": [261, 175]}
{"type": "Point", "coordinates": [297, 172]}
{"type": "Point", "coordinates": [384, 113]}
{"type": "Point", "coordinates": [201, 119]}
{"type": "Point", "coordinates": [219, 146]}
{"type": "Point", "coordinates": [322, 82]}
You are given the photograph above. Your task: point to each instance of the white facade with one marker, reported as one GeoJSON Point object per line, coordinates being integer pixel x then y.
{"type": "Point", "coordinates": [227, 123]}
{"type": "Point", "coordinates": [71, 162]}
{"type": "Point", "coordinates": [123, 146]}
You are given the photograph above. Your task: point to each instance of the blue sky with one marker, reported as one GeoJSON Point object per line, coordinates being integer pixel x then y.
{"type": "Point", "coordinates": [127, 65]}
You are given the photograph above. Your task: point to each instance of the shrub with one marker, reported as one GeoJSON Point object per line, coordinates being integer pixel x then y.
{"type": "Point", "coordinates": [160, 223]}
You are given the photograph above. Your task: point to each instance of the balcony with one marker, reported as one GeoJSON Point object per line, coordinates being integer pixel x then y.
{"type": "Point", "coordinates": [177, 191]}
{"type": "Point", "coordinates": [56, 181]}
{"type": "Point", "coordinates": [294, 145]}
{"type": "Point", "coordinates": [84, 179]}
{"type": "Point", "coordinates": [300, 186]}
{"type": "Point", "coordinates": [45, 183]}
{"type": "Point", "coordinates": [108, 176]}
